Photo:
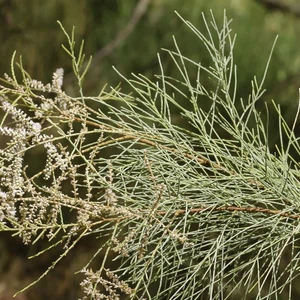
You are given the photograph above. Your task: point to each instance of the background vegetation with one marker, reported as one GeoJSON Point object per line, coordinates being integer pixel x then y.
{"type": "Point", "coordinates": [31, 29]}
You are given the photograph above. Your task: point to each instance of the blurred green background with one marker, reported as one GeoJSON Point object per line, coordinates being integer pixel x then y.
{"type": "Point", "coordinates": [128, 34]}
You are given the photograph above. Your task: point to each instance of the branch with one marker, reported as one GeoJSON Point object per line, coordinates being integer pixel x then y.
{"type": "Point", "coordinates": [129, 136]}
{"type": "Point", "coordinates": [235, 209]}
{"type": "Point", "coordinates": [137, 14]}
{"type": "Point", "coordinates": [293, 9]}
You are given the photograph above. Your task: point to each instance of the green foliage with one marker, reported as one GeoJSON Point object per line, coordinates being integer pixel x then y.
{"type": "Point", "coordinates": [206, 212]}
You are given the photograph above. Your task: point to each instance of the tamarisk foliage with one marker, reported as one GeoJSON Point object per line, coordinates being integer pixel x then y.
{"type": "Point", "coordinates": [192, 209]}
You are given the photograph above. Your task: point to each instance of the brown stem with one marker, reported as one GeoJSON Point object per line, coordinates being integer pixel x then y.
{"type": "Point", "coordinates": [234, 208]}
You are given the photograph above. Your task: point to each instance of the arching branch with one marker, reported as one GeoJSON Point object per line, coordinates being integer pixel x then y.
{"type": "Point", "coordinates": [293, 9]}
{"type": "Point", "coordinates": [137, 14]}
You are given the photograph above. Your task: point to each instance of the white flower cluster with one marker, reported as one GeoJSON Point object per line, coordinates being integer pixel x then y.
{"type": "Point", "coordinates": [22, 133]}
{"type": "Point", "coordinates": [55, 86]}
{"type": "Point", "coordinates": [32, 88]}
{"type": "Point", "coordinates": [38, 85]}
{"type": "Point", "coordinates": [33, 113]}
{"type": "Point", "coordinates": [113, 286]}
{"type": "Point", "coordinates": [53, 160]}
{"type": "Point", "coordinates": [57, 78]}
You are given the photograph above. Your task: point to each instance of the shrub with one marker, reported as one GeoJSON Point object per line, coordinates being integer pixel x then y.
{"type": "Point", "coordinates": [176, 178]}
